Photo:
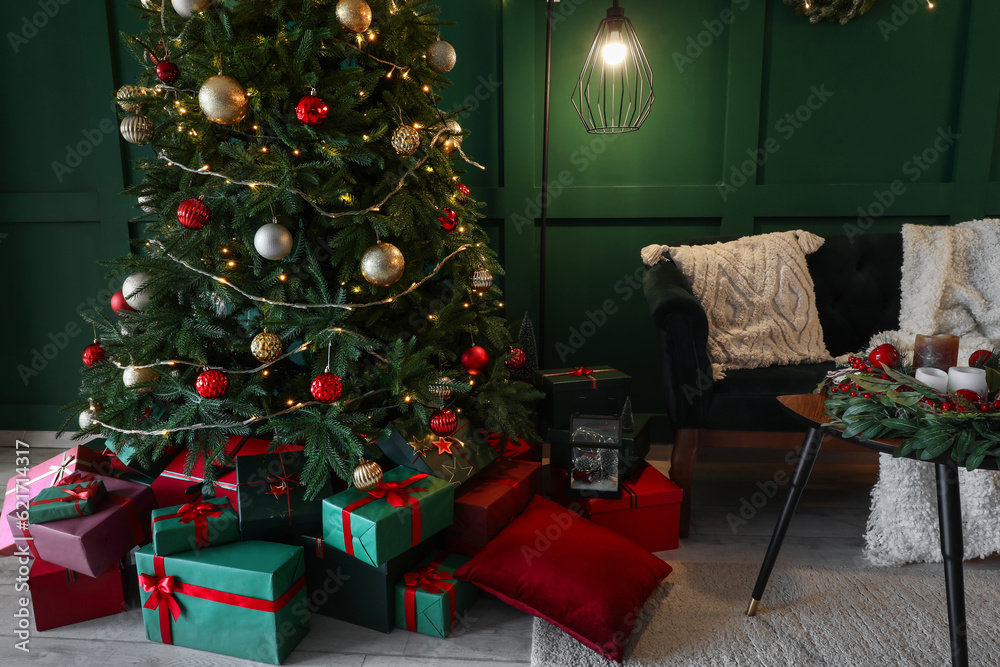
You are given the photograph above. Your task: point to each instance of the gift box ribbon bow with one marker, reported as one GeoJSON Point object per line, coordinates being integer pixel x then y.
{"type": "Point", "coordinates": [281, 485]}
{"type": "Point", "coordinates": [398, 495]}
{"type": "Point", "coordinates": [76, 495]}
{"type": "Point", "coordinates": [197, 513]}
{"type": "Point", "coordinates": [429, 579]}
{"type": "Point", "coordinates": [582, 371]}
{"type": "Point", "coordinates": [163, 592]}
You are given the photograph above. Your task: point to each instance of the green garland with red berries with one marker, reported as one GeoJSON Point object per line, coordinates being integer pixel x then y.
{"type": "Point", "coordinates": [878, 397]}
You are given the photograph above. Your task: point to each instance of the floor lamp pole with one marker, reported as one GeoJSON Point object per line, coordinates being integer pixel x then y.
{"type": "Point", "coordinates": [545, 187]}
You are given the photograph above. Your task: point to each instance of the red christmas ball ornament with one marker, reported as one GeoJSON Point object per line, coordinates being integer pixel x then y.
{"type": "Point", "coordinates": [311, 110]}
{"type": "Point", "coordinates": [211, 383]}
{"type": "Point", "coordinates": [119, 305]}
{"type": "Point", "coordinates": [193, 213]}
{"type": "Point", "coordinates": [448, 219]}
{"type": "Point", "coordinates": [92, 354]}
{"type": "Point", "coordinates": [167, 72]}
{"type": "Point", "coordinates": [979, 358]}
{"type": "Point", "coordinates": [463, 193]}
{"type": "Point", "coordinates": [516, 360]}
{"type": "Point", "coordinates": [885, 354]}
{"type": "Point", "coordinates": [443, 422]}
{"type": "Point", "coordinates": [326, 387]}
{"type": "Point", "coordinates": [475, 360]}
{"type": "Point", "coordinates": [969, 395]}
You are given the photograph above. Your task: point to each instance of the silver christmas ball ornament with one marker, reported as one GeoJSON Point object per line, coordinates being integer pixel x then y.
{"type": "Point", "coordinates": [133, 376]}
{"type": "Point", "coordinates": [223, 100]}
{"type": "Point", "coordinates": [136, 129]}
{"type": "Point", "coordinates": [130, 290]}
{"type": "Point", "coordinates": [151, 5]}
{"type": "Point", "coordinates": [441, 56]}
{"type": "Point", "coordinates": [144, 204]}
{"type": "Point", "coordinates": [86, 419]}
{"type": "Point", "coordinates": [273, 241]}
{"type": "Point", "coordinates": [187, 8]}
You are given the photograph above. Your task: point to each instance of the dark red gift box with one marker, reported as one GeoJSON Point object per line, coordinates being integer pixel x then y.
{"type": "Point", "coordinates": [648, 512]}
{"type": "Point", "coordinates": [517, 449]}
{"type": "Point", "coordinates": [91, 544]}
{"type": "Point", "coordinates": [62, 597]}
{"type": "Point", "coordinates": [485, 505]}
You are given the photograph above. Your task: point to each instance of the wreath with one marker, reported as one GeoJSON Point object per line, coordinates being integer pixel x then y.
{"type": "Point", "coordinates": [878, 397]}
{"type": "Point", "coordinates": [831, 10]}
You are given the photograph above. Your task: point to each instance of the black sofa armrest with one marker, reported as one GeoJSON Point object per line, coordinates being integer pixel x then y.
{"type": "Point", "coordinates": [682, 327]}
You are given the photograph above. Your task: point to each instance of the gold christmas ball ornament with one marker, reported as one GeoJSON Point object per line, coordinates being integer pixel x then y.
{"type": "Point", "coordinates": [223, 100]}
{"type": "Point", "coordinates": [442, 391]}
{"type": "Point", "coordinates": [367, 475]}
{"type": "Point", "coordinates": [382, 264]}
{"type": "Point", "coordinates": [133, 376]}
{"type": "Point", "coordinates": [482, 280]}
{"type": "Point", "coordinates": [136, 129]}
{"type": "Point", "coordinates": [451, 140]}
{"type": "Point", "coordinates": [354, 15]}
{"type": "Point", "coordinates": [266, 347]}
{"type": "Point", "coordinates": [128, 96]}
{"type": "Point", "coordinates": [406, 140]}
{"type": "Point", "coordinates": [441, 56]}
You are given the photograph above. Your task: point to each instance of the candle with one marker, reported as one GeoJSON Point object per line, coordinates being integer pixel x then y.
{"type": "Point", "coordinates": [940, 351]}
{"type": "Point", "coordinates": [932, 377]}
{"type": "Point", "coordinates": [964, 377]}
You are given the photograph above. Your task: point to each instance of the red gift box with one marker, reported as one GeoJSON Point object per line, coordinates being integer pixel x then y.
{"type": "Point", "coordinates": [22, 488]}
{"type": "Point", "coordinates": [485, 505]}
{"type": "Point", "coordinates": [648, 512]}
{"type": "Point", "coordinates": [517, 449]}
{"type": "Point", "coordinates": [90, 544]}
{"type": "Point", "coordinates": [62, 597]}
{"type": "Point", "coordinates": [174, 487]}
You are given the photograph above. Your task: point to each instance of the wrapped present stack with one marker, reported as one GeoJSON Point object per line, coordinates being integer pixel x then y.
{"type": "Point", "coordinates": [597, 456]}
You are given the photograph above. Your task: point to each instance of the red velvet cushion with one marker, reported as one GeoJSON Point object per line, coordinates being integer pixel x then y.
{"type": "Point", "coordinates": [585, 579]}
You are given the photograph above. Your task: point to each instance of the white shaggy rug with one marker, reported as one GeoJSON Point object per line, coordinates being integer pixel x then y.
{"type": "Point", "coordinates": [843, 616]}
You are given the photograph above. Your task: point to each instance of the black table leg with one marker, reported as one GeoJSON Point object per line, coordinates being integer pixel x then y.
{"type": "Point", "coordinates": [950, 513]}
{"type": "Point", "coordinates": [807, 457]}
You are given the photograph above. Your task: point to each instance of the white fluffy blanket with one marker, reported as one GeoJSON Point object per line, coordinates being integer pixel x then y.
{"type": "Point", "coordinates": [951, 284]}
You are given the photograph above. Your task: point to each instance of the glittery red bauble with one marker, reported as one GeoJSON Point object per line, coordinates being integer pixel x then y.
{"type": "Point", "coordinates": [211, 384]}
{"type": "Point", "coordinates": [979, 358]}
{"type": "Point", "coordinates": [118, 304]}
{"type": "Point", "coordinates": [166, 71]}
{"type": "Point", "coordinates": [311, 110]}
{"type": "Point", "coordinates": [193, 213]}
{"type": "Point", "coordinates": [884, 354]}
{"type": "Point", "coordinates": [92, 354]}
{"type": "Point", "coordinates": [326, 387]}
{"type": "Point", "coordinates": [475, 360]}
{"type": "Point", "coordinates": [463, 193]}
{"type": "Point", "coordinates": [449, 220]}
{"type": "Point", "coordinates": [443, 422]}
{"type": "Point", "coordinates": [516, 360]}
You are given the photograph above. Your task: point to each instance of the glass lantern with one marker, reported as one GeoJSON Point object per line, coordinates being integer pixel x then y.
{"type": "Point", "coordinates": [595, 456]}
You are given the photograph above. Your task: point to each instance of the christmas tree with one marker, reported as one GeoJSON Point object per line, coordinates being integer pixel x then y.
{"type": "Point", "coordinates": [313, 271]}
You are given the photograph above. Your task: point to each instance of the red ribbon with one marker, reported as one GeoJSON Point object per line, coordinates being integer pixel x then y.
{"type": "Point", "coordinates": [281, 485]}
{"type": "Point", "coordinates": [429, 579]}
{"type": "Point", "coordinates": [396, 494]}
{"type": "Point", "coordinates": [500, 443]}
{"type": "Point", "coordinates": [78, 477]}
{"type": "Point", "coordinates": [75, 495]}
{"type": "Point", "coordinates": [198, 513]}
{"type": "Point", "coordinates": [163, 591]}
{"type": "Point", "coordinates": [319, 547]}
{"type": "Point", "coordinates": [582, 371]}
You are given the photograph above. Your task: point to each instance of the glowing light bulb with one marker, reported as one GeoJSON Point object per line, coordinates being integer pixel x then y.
{"type": "Point", "coordinates": [614, 51]}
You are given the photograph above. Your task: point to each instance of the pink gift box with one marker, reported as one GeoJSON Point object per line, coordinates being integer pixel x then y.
{"type": "Point", "coordinates": [22, 488]}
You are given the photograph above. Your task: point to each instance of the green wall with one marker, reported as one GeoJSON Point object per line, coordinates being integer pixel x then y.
{"type": "Point", "coordinates": [727, 76]}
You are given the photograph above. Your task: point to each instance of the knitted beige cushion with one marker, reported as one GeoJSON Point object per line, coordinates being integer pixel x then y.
{"type": "Point", "coordinates": [759, 298]}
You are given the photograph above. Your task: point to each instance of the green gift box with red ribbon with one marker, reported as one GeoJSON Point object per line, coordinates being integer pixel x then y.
{"type": "Point", "coordinates": [430, 600]}
{"type": "Point", "coordinates": [194, 525]}
{"type": "Point", "coordinates": [272, 496]}
{"type": "Point", "coordinates": [595, 390]}
{"type": "Point", "coordinates": [66, 501]}
{"type": "Point", "coordinates": [456, 458]}
{"type": "Point", "coordinates": [404, 510]}
{"type": "Point", "coordinates": [246, 599]}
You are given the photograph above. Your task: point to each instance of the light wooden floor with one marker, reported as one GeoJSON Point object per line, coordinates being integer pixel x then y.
{"type": "Point", "coordinates": [827, 529]}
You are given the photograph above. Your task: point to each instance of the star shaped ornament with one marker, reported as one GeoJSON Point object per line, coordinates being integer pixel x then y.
{"type": "Point", "coordinates": [279, 490]}
{"type": "Point", "coordinates": [443, 446]}
{"type": "Point", "coordinates": [457, 472]}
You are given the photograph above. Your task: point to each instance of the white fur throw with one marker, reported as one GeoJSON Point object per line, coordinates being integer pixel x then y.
{"type": "Point", "coordinates": [759, 298]}
{"type": "Point", "coordinates": [951, 284]}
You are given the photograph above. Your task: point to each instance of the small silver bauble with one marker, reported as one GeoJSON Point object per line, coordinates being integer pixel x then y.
{"type": "Point", "coordinates": [441, 57]}
{"type": "Point", "coordinates": [144, 201]}
{"type": "Point", "coordinates": [151, 5]}
{"type": "Point", "coordinates": [223, 100]}
{"type": "Point", "coordinates": [133, 376]}
{"type": "Point", "coordinates": [382, 264]}
{"type": "Point", "coordinates": [273, 241]}
{"type": "Point", "coordinates": [130, 290]}
{"type": "Point", "coordinates": [136, 129]}
{"type": "Point", "coordinates": [86, 419]}
{"type": "Point", "coordinates": [187, 8]}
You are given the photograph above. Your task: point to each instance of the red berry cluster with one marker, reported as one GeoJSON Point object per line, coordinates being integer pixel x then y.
{"type": "Point", "coordinates": [861, 364]}
{"type": "Point", "coordinates": [849, 388]}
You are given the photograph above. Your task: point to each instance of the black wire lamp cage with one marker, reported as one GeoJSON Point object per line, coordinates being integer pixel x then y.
{"type": "Point", "coordinates": [615, 90]}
